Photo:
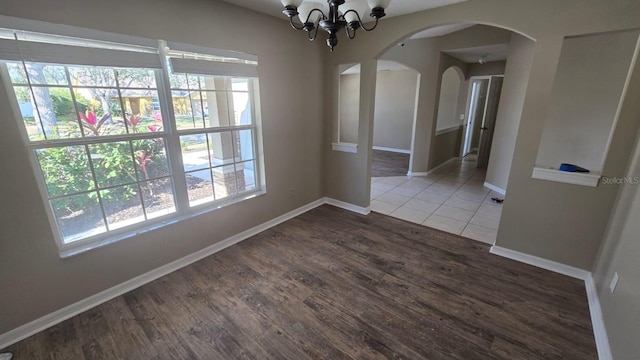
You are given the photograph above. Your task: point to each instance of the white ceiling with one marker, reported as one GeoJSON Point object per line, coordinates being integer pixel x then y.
{"type": "Point", "coordinates": [470, 55]}
{"type": "Point", "coordinates": [396, 8]}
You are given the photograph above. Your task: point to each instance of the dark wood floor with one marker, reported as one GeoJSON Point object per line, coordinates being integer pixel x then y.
{"type": "Point", "coordinates": [386, 163]}
{"type": "Point", "coordinates": [331, 284]}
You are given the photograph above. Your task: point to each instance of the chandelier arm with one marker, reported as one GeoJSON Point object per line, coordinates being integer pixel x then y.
{"type": "Point", "coordinates": [315, 33]}
{"type": "Point", "coordinates": [351, 33]}
{"type": "Point", "coordinates": [293, 24]}
{"type": "Point", "coordinates": [371, 28]}
{"type": "Point", "coordinates": [361, 23]}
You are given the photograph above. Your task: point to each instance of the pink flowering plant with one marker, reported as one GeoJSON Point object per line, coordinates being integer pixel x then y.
{"type": "Point", "coordinates": [90, 122]}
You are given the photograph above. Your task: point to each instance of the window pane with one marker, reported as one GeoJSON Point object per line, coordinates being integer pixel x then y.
{"type": "Point", "coordinates": [221, 148]}
{"type": "Point", "coordinates": [238, 84]}
{"type": "Point", "coordinates": [242, 108]}
{"type": "Point", "coordinates": [151, 158]}
{"type": "Point", "coordinates": [217, 108]}
{"type": "Point", "coordinates": [48, 112]}
{"type": "Point", "coordinates": [139, 110]}
{"type": "Point", "coordinates": [136, 78]}
{"type": "Point", "coordinates": [195, 154]}
{"type": "Point", "coordinates": [196, 109]}
{"type": "Point", "coordinates": [92, 76]}
{"type": "Point", "coordinates": [244, 144]}
{"type": "Point", "coordinates": [66, 170]}
{"type": "Point", "coordinates": [78, 216]}
{"type": "Point", "coordinates": [28, 112]}
{"type": "Point", "coordinates": [122, 206]}
{"type": "Point", "coordinates": [246, 176]}
{"type": "Point", "coordinates": [179, 81]}
{"type": "Point", "coordinates": [224, 181]}
{"type": "Point", "coordinates": [42, 74]}
{"type": "Point", "coordinates": [16, 73]}
{"type": "Point", "coordinates": [94, 111]}
{"type": "Point", "coordinates": [113, 163]}
{"type": "Point", "coordinates": [157, 196]}
{"type": "Point", "coordinates": [199, 187]}
{"type": "Point", "coordinates": [183, 111]}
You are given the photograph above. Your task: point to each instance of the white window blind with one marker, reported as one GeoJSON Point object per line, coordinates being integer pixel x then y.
{"type": "Point", "coordinates": [192, 59]}
{"type": "Point", "coordinates": [65, 50]}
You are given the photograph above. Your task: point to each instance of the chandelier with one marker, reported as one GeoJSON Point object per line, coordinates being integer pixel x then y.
{"type": "Point", "coordinates": [342, 14]}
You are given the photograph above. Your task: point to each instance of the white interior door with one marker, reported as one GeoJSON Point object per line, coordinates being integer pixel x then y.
{"type": "Point", "coordinates": [489, 120]}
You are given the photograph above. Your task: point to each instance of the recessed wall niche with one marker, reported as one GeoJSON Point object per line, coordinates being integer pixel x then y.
{"type": "Point", "coordinates": [348, 108]}
{"type": "Point", "coordinates": [590, 80]}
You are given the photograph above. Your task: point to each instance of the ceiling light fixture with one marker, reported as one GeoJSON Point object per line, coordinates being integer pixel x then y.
{"type": "Point", "coordinates": [342, 14]}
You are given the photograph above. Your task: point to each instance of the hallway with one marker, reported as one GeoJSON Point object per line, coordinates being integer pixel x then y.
{"type": "Point", "coordinates": [452, 199]}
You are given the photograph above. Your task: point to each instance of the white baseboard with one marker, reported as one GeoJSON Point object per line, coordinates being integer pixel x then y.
{"type": "Point", "coordinates": [348, 206]}
{"type": "Point", "coordinates": [495, 188]}
{"type": "Point", "coordinates": [597, 321]}
{"type": "Point", "coordinates": [401, 151]}
{"type": "Point", "coordinates": [557, 267]}
{"type": "Point", "coordinates": [411, 173]}
{"type": "Point", "coordinates": [443, 165]}
{"type": "Point", "coordinates": [33, 327]}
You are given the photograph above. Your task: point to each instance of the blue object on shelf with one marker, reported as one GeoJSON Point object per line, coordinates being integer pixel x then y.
{"type": "Point", "coordinates": [572, 168]}
{"type": "Point", "coordinates": [568, 167]}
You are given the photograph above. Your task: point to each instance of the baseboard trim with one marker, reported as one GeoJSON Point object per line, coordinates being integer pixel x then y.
{"type": "Point", "coordinates": [597, 320]}
{"type": "Point", "coordinates": [13, 336]}
{"type": "Point", "coordinates": [495, 188]}
{"type": "Point", "coordinates": [557, 267]}
{"type": "Point", "coordinates": [411, 173]}
{"type": "Point", "coordinates": [400, 151]}
{"type": "Point", "coordinates": [455, 158]}
{"type": "Point", "coordinates": [347, 206]}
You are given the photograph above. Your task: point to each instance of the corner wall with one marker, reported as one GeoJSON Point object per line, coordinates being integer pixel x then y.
{"type": "Point", "coordinates": [514, 89]}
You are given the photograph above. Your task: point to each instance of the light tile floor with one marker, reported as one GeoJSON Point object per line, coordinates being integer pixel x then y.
{"type": "Point", "coordinates": [452, 199]}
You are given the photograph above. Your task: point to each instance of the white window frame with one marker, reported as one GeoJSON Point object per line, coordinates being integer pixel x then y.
{"type": "Point", "coordinates": [170, 133]}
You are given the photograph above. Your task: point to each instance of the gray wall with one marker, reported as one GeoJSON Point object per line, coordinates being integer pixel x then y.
{"type": "Point", "coordinates": [37, 279]}
{"type": "Point", "coordinates": [514, 87]}
{"type": "Point", "coordinates": [586, 92]}
{"type": "Point", "coordinates": [447, 145]}
{"type": "Point", "coordinates": [349, 103]}
{"type": "Point", "coordinates": [620, 253]}
{"type": "Point", "coordinates": [489, 68]}
{"type": "Point", "coordinates": [395, 109]}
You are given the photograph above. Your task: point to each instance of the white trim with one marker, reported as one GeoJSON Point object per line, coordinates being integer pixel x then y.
{"type": "Point", "coordinates": [401, 151]}
{"type": "Point", "coordinates": [557, 267]}
{"type": "Point", "coordinates": [42, 323]}
{"type": "Point", "coordinates": [345, 147]}
{"type": "Point", "coordinates": [495, 188]}
{"type": "Point", "coordinates": [348, 206]}
{"type": "Point", "coordinates": [411, 173]}
{"type": "Point", "coordinates": [448, 130]}
{"type": "Point", "coordinates": [455, 158]}
{"type": "Point", "coordinates": [575, 178]}
{"type": "Point", "coordinates": [597, 320]}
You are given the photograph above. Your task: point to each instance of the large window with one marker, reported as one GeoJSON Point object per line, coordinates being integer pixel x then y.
{"type": "Point", "coordinates": [159, 134]}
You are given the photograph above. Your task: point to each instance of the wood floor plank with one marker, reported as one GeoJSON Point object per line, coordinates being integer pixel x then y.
{"type": "Point", "coordinates": [330, 284]}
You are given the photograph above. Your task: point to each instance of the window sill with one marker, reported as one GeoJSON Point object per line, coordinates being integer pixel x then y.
{"type": "Point", "coordinates": [345, 147]}
{"type": "Point", "coordinates": [575, 178]}
{"type": "Point", "coordinates": [72, 249]}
